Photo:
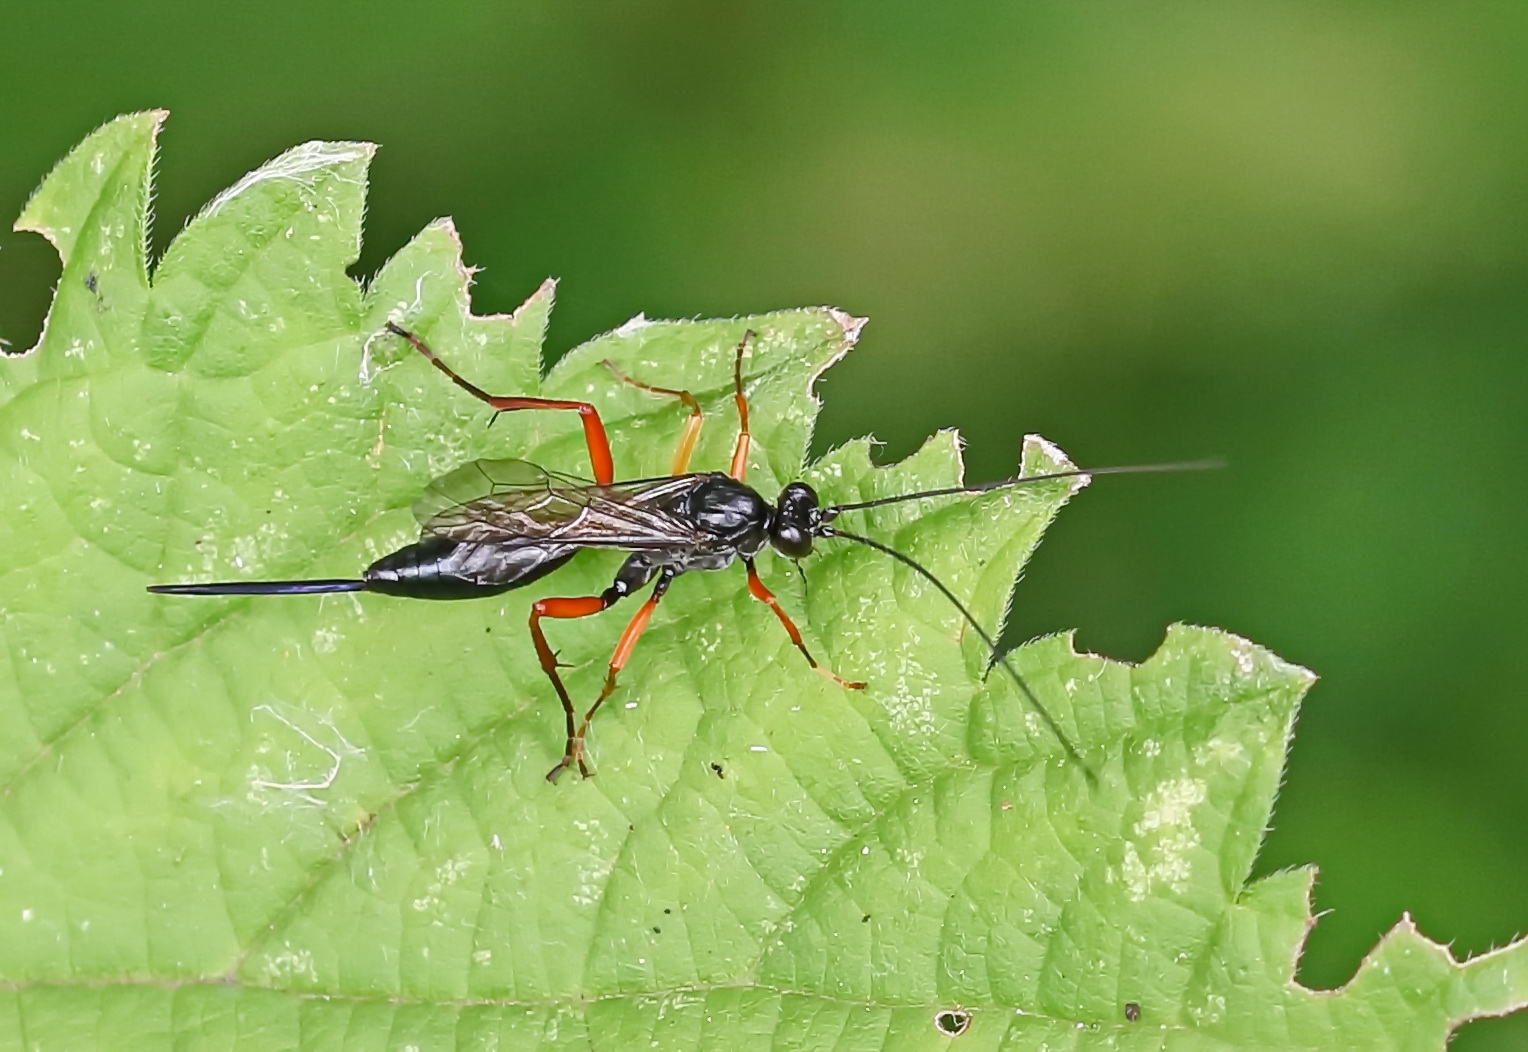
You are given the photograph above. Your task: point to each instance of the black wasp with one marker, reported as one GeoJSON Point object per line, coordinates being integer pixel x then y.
{"type": "Point", "coordinates": [493, 525]}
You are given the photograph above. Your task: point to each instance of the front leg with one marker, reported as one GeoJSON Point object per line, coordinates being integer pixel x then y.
{"type": "Point", "coordinates": [764, 595]}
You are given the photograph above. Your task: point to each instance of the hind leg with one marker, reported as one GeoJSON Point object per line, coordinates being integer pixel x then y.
{"type": "Point", "coordinates": [594, 428]}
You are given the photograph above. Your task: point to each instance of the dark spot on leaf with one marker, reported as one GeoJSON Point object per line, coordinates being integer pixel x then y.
{"type": "Point", "coordinates": [718, 769]}
{"type": "Point", "coordinates": [667, 910]}
{"type": "Point", "coordinates": [657, 930]}
{"type": "Point", "coordinates": [90, 281]}
{"type": "Point", "coordinates": [865, 919]}
{"type": "Point", "coordinates": [1133, 1012]}
{"type": "Point", "coordinates": [953, 1021]}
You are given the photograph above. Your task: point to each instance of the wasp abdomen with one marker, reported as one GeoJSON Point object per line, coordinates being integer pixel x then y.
{"type": "Point", "coordinates": [440, 568]}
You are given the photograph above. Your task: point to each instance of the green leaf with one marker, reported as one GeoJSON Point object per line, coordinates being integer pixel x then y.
{"type": "Point", "coordinates": [322, 822]}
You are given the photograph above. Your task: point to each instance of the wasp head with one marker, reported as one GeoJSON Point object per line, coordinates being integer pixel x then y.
{"type": "Point", "coordinates": [797, 521]}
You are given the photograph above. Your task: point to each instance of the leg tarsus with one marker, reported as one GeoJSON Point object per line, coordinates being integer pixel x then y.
{"type": "Point", "coordinates": [568, 760]}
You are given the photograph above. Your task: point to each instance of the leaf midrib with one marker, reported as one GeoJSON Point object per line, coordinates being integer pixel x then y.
{"type": "Point", "coordinates": [701, 989]}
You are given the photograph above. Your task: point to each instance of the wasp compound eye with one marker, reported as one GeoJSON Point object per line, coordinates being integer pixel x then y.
{"type": "Point", "coordinates": [792, 542]}
{"type": "Point", "coordinates": [799, 500]}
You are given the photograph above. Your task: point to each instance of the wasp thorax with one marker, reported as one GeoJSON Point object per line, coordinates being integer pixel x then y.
{"type": "Point", "coordinates": [730, 511]}
{"type": "Point", "coordinates": [797, 519]}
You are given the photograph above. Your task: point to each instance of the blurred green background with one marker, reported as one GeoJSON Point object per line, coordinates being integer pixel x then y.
{"type": "Point", "coordinates": [1290, 234]}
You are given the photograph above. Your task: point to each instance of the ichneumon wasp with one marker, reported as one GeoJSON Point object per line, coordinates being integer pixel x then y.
{"type": "Point", "coordinates": [493, 525]}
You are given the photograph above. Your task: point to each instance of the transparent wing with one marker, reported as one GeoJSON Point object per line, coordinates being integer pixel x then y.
{"type": "Point", "coordinates": [487, 478]}
{"type": "Point", "coordinates": [513, 502]}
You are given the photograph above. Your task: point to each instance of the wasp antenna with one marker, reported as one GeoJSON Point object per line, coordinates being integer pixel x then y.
{"type": "Point", "coordinates": [987, 487]}
{"type": "Point", "coordinates": [998, 657]}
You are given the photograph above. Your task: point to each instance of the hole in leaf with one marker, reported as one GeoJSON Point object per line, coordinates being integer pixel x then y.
{"type": "Point", "coordinates": [953, 1021]}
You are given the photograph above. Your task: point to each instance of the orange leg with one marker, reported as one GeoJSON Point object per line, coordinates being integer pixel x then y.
{"type": "Point", "coordinates": [564, 608]}
{"type": "Point", "coordinates": [764, 595]}
{"type": "Point", "coordinates": [692, 426]}
{"type": "Point", "coordinates": [623, 649]}
{"type": "Point", "coordinates": [585, 606]}
{"type": "Point", "coordinates": [744, 438]}
{"type": "Point", "coordinates": [594, 428]}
